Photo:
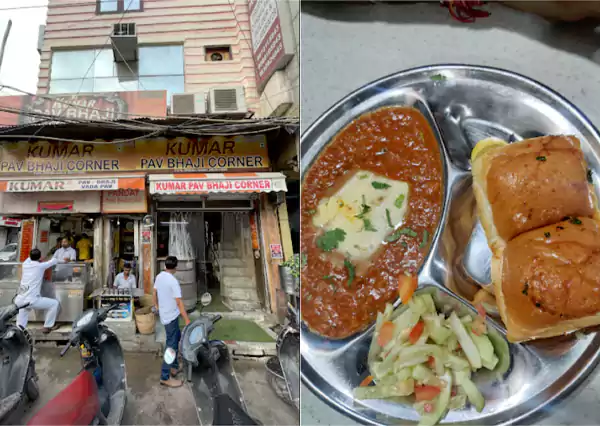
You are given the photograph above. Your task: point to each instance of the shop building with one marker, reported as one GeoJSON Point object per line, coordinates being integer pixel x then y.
{"type": "Point", "coordinates": [213, 201]}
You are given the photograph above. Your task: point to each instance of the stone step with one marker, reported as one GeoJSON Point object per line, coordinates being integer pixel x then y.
{"type": "Point", "coordinates": [235, 262]}
{"type": "Point", "coordinates": [229, 254]}
{"type": "Point", "coordinates": [241, 305]}
{"type": "Point", "coordinates": [242, 294]}
{"type": "Point", "coordinates": [238, 282]}
{"type": "Point", "coordinates": [237, 271]}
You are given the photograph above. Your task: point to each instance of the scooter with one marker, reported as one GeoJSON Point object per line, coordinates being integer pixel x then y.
{"type": "Point", "coordinates": [209, 371]}
{"type": "Point", "coordinates": [18, 379]}
{"type": "Point", "coordinates": [283, 370]}
{"type": "Point", "coordinates": [97, 395]}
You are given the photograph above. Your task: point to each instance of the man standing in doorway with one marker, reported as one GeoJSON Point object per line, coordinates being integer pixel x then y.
{"type": "Point", "coordinates": [167, 299]}
{"type": "Point", "coordinates": [30, 289]}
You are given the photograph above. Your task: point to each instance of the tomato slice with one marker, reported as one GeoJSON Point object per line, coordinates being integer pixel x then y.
{"type": "Point", "coordinates": [426, 392]}
{"type": "Point", "coordinates": [416, 332]}
{"type": "Point", "coordinates": [428, 407]}
{"type": "Point", "coordinates": [386, 333]}
{"type": "Point", "coordinates": [407, 284]}
{"type": "Point", "coordinates": [431, 362]}
{"type": "Point", "coordinates": [366, 381]}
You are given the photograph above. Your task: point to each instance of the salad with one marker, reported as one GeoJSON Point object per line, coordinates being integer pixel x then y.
{"type": "Point", "coordinates": [420, 353]}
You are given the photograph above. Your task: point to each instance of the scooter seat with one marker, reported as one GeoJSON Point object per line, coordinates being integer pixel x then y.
{"type": "Point", "coordinates": [9, 403]}
{"type": "Point", "coordinates": [228, 412]}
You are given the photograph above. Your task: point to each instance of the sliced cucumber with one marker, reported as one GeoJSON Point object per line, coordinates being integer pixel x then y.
{"type": "Point", "coordinates": [465, 341]}
{"type": "Point", "coordinates": [440, 403]}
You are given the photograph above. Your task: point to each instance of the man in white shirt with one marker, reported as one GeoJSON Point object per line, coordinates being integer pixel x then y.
{"type": "Point", "coordinates": [125, 280]}
{"type": "Point", "coordinates": [65, 254]}
{"type": "Point", "coordinates": [29, 292]}
{"type": "Point", "coordinates": [167, 299]}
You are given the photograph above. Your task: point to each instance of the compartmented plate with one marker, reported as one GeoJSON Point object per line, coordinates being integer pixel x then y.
{"type": "Point", "coordinates": [463, 104]}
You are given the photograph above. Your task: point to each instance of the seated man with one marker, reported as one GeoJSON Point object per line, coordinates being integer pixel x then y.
{"type": "Point", "coordinates": [125, 280]}
{"type": "Point", "coordinates": [30, 289]}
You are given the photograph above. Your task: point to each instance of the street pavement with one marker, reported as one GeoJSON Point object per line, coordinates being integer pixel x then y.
{"type": "Point", "coordinates": [148, 403]}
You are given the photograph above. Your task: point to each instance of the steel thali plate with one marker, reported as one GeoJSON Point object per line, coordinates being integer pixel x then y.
{"type": "Point", "coordinates": [463, 104]}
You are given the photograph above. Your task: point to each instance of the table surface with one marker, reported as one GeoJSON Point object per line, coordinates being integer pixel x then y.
{"type": "Point", "coordinates": [344, 46]}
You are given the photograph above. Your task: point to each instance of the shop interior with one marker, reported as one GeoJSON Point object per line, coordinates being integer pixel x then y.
{"type": "Point", "coordinates": [123, 246]}
{"type": "Point", "coordinates": [203, 237]}
{"type": "Point", "coordinates": [78, 228]}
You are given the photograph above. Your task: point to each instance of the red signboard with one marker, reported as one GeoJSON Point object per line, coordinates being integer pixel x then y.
{"type": "Point", "coordinates": [267, 39]}
{"type": "Point", "coordinates": [95, 106]}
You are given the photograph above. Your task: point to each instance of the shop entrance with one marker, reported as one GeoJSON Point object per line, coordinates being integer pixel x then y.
{"type": "Point", "coordinates": [214, 249]}
{"type": "Point", "coordinates": [122, 247]}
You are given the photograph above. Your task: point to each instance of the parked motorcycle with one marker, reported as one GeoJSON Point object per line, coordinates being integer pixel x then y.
{"type": "Point", "coordinates": [18, 379]}
{"type": "Point", "coordinates": [283, 370]}
{"type": "Point", "coordinates": [209, 370]}
{"type": "Point", "coordinates": [97, 395]}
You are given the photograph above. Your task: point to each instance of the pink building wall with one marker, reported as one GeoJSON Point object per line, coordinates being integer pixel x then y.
{"type": "Point", "coordinates": [193, 23]}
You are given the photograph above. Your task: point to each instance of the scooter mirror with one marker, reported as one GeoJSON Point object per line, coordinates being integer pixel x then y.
{"type": "Point", "coordinates": [205, 299]}
{"type": "Point", "coordinates": [169, 356]}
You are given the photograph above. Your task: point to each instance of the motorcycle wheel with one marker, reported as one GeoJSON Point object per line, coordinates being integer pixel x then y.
{"type": "Point", "coordinates": [32, 390]}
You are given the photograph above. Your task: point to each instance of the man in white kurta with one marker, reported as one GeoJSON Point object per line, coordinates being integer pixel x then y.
{"type": "Point", "coordinates": [30, 289]}
{"type": "Point", "coordinates": [64, 254]}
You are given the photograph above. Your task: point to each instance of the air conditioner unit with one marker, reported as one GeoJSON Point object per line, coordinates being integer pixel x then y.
{"type": "Point", "coordinates": [188, 104]}
{"type": "Point", "coordinates": [124, 42]}
{"type": "Point", "coordinates": [226, 100]}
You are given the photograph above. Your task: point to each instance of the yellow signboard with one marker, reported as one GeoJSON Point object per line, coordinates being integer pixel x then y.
{"type": "Point", "coordinates": [214, 154]}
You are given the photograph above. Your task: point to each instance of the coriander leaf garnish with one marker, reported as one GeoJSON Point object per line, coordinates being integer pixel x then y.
{"type": "Point", "coordinates": [364, 208]}
{"type": "Point", "coordinates": [397, 234]}
{"type": "Point", "coordinates": [425, 238]}
{"type": "Point", "coordinates": [380, 185]}
{"type": "Point", "coordinates": [590, 179]}
{"type": "Point", "coordinates": [389, 218]}
{"type": "Point", "coordinates": [575, 221]}
{"type": "Point", "coordinates": [399, 201]}
{"type": "Point", "coordinates": [311, 212]}
{"type": "Point", "coordinates": [547, 234]}
{"type": "Point", "coordinates": [540, 158]}
{"type": "Point", "coordinates": [308, 297]}
{"type": "Point", "coordinates": [363, 176]}
{"type": "Point", "coordinates": [438, 77]}
{"type": "Point", "coordinates": [351, 271]}
{"type": "Point", "coordinates": [525, 288]}
{"type": "Point", "coordinates": [368, 226]}
{"type": "Point", "coordinates": [404, 244]}
{"type": "Point", "coordinates": [303, 260]}
{"type": "Point", "coordinates": [330, 240]}
{"type": "Point", "coordinates": [328, 277]}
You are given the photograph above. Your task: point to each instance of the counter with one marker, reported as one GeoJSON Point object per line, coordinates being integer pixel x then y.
{"type": "Point", "coordinates": [345, 46]}
{"type": "Point", "coordinates": [69, 283]}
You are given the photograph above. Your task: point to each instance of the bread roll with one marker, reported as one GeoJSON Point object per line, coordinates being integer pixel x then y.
{"type": "Point", "coordinates": [541, 220]}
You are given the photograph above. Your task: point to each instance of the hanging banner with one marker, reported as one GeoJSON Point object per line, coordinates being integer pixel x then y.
{"type": "Point", "coordinates": [254, 231]}
{"type": "Point", "coordinates": [213, 154]}
{"type": "Point", "coordinates": [27, 236]}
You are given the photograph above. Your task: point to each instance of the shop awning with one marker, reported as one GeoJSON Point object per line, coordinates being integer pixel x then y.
{"type": "Point", "coordinates": [72, 183]}
{"type": "Point", "coordinates": [186, 183]}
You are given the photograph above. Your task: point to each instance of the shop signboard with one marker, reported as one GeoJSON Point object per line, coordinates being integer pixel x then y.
{"type": "Point", "coordinates": [124, 201]}
{"type": "Point", "coordinates": [51, 185]}
{"type": "Point", "coordinates": [209, 154]}
{"type": "Point", "coordinates": [272, 38]}
{"type": "Point", "coordinates": [91, 106]}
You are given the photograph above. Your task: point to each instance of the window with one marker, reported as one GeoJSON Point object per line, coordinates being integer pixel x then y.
{"type": "Point", "coordinates": [217, 53]}
{"type": "Point", "coordinates": [118, 6]}
{"type": "Point", "coordinates": [95, 70]}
